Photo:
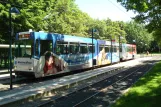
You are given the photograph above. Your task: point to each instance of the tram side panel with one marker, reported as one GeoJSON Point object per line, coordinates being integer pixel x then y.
{"type": "Point", "coordinates": [51, 58]}
{"type": "Point", "coordinates": [80, 53]}
{"type": "Point", "coordinates": [107, 54]}
{"type": "Point", "coordinates": [128, 51]}
{"type": "Point", "coordinates": [71, 53]}
{"type": "Point", "coordinates": [49, 64]}
{"type": "Point", "coordinates": [103, 55]}
{"type": "Point", "coordinates": [115, 52]}
{"type": "Point", "coordinates": [80, 59]}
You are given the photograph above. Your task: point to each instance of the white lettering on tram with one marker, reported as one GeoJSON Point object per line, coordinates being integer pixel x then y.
{"type": "Point", "coordinates": [26, 62]}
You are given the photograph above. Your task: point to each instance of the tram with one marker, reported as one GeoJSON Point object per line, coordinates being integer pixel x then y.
{"type": "Point", "coordinates": [51, 53]}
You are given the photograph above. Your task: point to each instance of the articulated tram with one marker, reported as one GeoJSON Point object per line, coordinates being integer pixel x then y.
{"type": "Point", "coordinates": [51, 54]}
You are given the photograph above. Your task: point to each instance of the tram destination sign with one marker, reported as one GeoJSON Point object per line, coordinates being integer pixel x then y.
{"type": "Point", "coordinates": [24, 35]}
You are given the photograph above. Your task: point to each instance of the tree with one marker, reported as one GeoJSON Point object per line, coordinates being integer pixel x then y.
{"type": "Point", "coordinates": [138, 34]}
{"type": "Point", "coordinates": [57, 16]}
{"type": "Point", "coordinates": [148, 12]}
{"type": "Point", "coordinates": [66, 18]}
{"type": "Point", "coordinates": [115, 30]}
{"type": "Point", "coordinates": [32, 13]}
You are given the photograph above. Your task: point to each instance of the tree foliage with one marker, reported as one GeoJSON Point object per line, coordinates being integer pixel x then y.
{"type": "Point", "coordinates": [138, 34]}
{"type": "Point", "coordinates": [148, 12]}
{"type": "Point", "coordinates": [64, 16]}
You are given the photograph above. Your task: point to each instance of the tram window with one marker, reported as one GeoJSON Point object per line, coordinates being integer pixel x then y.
{"type": "Point", "coordinates": [129, 49]}
{"type": "Point", "coordinates": [23, 48]}
{"type": "Point", "coordinates": [83, 48]}
{"type": "Point", "coordinates": [114, 49]}
{"type": "Point", "coordinates": [100, 48]}
{"type": "Point", "coordinates": [90, 48]}
{"type": "Point", "coordinates": [73, 48]}
{"type": "Point", "coordinates": [133, 49]}
{"type": "Point", "coordinates": [107, 49]}
{"type": "Point", "coordinates": [45, 45]}
{"type": "Point", "coordinates": [37, 48]}
{"type": "Point", "coordinates": [72, 51]}
{"type": "Point", "coordinates": [61, 48]}
{"type": "Point", "coordinates": [58, 49]}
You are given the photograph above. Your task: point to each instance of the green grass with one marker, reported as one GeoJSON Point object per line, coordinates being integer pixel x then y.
{"type": "Point", "coordinates": [145, 93]}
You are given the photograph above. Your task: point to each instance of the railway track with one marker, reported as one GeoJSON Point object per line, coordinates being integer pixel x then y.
{"type": "Point", "coordinates": [104, 92]}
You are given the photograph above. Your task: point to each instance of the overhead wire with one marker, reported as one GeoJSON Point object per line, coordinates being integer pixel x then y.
{"type": "Point", "coordinates": [119, 8]}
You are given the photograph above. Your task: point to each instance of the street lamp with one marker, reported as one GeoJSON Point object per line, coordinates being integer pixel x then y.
{"type": "Point", "coordinates": [16, 11]}
{"type": "Point", "coordinates": [134, 42]}
{"type": "Point", "coordinates": [92, 47]}
{"type": "Point", "coordinates": [111, 50]}
{"type": "Point", "coordinates": [93, 30]}
{"type": "Point", "coordinates": [120, 48]}
{"type": "Point", "coordinates": [141, 47]}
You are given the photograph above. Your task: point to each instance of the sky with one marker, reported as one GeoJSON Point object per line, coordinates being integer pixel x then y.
{"type": "Point", "coordinates": [103, 9]}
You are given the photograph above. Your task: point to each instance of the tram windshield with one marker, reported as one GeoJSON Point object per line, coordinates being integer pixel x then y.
{"type": "Point", "coordinates": [24, 48]}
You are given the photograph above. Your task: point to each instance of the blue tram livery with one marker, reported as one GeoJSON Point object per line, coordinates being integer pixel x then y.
{"type": "Point", "coordinates": [52, 53]}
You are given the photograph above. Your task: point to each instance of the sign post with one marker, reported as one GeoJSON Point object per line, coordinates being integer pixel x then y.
{"type": "Point", "coordinates": [16, 11]}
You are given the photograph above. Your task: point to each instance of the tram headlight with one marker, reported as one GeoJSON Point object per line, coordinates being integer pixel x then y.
{"type": "Point", "coordinates": [31, 69]}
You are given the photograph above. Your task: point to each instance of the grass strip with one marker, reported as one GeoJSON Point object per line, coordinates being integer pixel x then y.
{"type": "Point", "coordinates": [144, 93]}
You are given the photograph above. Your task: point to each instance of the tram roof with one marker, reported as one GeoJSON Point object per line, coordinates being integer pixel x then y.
{"type": "Point", "coordinates": [55, 36]}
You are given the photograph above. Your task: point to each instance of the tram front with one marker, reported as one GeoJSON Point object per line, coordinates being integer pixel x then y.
{"type": "Point", "coordinates": [24, 54]}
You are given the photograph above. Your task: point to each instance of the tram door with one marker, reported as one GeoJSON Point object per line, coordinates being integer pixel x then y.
{"type": "Point", "coordinates": [45, 45]}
